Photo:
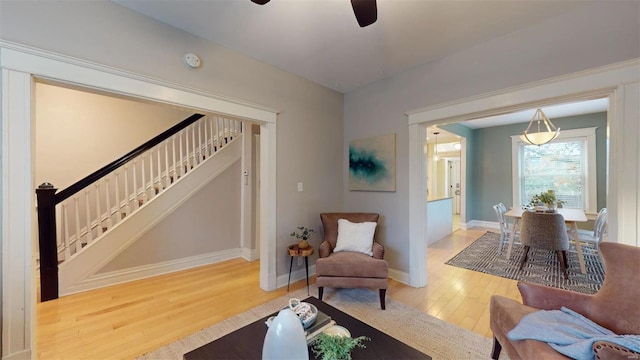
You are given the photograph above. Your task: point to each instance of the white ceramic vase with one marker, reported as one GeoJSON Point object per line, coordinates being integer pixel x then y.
{"type": "Point", "coordinates": [285, 338]}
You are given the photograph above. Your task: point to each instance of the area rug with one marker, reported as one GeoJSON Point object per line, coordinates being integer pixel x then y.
{"type": "Point", "coordinates": [428, 334]}
{"type": "Point", "coordinates": [541, 266]}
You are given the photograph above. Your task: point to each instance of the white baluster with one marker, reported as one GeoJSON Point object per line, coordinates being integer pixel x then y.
{"type": "Point", "coordinates": [108, 196]}
{"type": "Point", "coordinates": [159, 171]}
{"type": "Point", "coordinates": [217, 125]}
{"type": "Point", "coordinates": [193, 145]}
{"type": "Point", "coordinates": [88, 215]}
{"type": "Point", "coordinates": [205, 123]}
{"type": "Point", "coordinates": [200, 153]}
{"type": "Point", "coordinates": [67, 248]}
{"type": "Point", "coordinates": [98, 212]}
{"type": "Point", "coordinates": [78, 233]}
{"type": "Point", "coordinates": [181, 154]}
{"type": "Point", "coordinates": [118, 202]}
{"type": "Point", "coordinates": [186, 149]}
{"type": "Point", "coordinates": [144, 181]}
{"type": "Point", "coordinates": [225, 124]}
{"type": "Point", "coordinates": [167, 181]}
{"type": "Point", "coordinates": [136, 204]}
{"type": "Point", "coordinates": [127, 208]}
{"type": "Point", "coordinates": [173, 157]}
{"type": "Point", "coordinates": [152, 179]}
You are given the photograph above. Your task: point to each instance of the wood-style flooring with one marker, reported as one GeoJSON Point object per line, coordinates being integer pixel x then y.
{"type": "Point", "coordinates": [125, 321]}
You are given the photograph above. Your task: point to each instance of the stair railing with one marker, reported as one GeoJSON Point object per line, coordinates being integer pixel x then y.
{"type": "Point", "coordinates": [83, 212]}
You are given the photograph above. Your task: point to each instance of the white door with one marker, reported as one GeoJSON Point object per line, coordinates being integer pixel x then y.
{"type": "Point", "coordinates": [454, 184]}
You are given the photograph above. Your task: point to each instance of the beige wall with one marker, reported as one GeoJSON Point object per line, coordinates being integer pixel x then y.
{"type": "Point", "coordinates": [309, 125]}
{"type": "Point", "coordinates": [77, 132]}
{"type": "Point", "coordinates": [206, 223]}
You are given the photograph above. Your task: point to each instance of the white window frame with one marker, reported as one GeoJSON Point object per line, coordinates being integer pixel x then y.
{"type": "Point", "coordinates": [591, 194]}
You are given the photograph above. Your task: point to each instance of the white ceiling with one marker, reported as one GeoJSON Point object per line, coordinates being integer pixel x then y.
{"type": "Point", "coordinates": [320, 39]}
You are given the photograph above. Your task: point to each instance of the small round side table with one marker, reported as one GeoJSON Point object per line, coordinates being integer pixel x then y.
{"type": "Point", "coordinates": [295, 251]}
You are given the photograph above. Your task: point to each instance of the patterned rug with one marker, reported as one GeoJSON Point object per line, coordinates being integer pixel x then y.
{"type": "Point", "coordinates": [541, 266]}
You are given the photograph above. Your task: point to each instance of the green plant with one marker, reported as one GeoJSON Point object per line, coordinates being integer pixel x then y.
{"type": "Point", "coordinates": [303, 233]}
{"type": "Point", "coordinates": [548, 198]}
{"type": "Point", "coordinates": [332, 347]}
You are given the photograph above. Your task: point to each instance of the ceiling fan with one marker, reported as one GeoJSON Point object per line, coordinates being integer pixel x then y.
{"type": "Point", "coordinates": [366, 11]}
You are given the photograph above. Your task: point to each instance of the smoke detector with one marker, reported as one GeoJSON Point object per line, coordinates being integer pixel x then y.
{"type": "Point", "coordinates": [191, 60]}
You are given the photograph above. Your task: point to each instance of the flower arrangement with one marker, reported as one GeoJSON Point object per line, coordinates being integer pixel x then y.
{"type": "Point", "coordinates": [548, 198]}
{"type": "Point", "coordinates": [333, 347]}
{"type": "Point", "coordinates": [303, 234]}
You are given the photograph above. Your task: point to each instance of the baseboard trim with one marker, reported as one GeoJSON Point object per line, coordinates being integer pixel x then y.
{"type": "Point", "coordinates": [296, 275]}
{"type": "Point", "coordinates": [101, 280]}
{"type": "Point", "coordinates": [399, 276]}
{"type": "Point", "coordinates": [250, 254]}
{"type": "Point", "coordinates": [20, 355]}
{"type": "Point", "coordinates": [482, 223]}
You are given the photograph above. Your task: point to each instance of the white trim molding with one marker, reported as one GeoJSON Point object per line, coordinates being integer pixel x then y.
{"type": "Point", "coordinates": [399, 276]}
{"type": "Point", "coordinates": [140, 272]}
{"type": "Point", "coordinates": [619, 82]}
{"type": "Point", "coordinates": [21, 66]}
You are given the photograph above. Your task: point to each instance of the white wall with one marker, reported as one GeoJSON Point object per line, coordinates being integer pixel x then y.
{"type": "Point", "coordinates": [78, 132]}
{"type": "Point", "coordinates": [309, 141]}
{"type": "Point", "coordinates": [600, 34]}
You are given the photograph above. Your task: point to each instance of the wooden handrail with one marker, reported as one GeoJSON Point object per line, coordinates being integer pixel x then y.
{"type": "Point", "coordinates": [95, 176]}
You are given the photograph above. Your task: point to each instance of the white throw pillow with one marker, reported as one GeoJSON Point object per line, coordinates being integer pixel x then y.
{"type": "Point", "coordinates": [356, 237]}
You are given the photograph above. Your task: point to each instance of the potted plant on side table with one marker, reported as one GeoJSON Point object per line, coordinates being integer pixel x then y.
{"type": "Point", "coordinates": [303, 234]}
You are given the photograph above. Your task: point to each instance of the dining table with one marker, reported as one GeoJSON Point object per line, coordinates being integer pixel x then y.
{"type": "Point", "coordinates": [571, 217]}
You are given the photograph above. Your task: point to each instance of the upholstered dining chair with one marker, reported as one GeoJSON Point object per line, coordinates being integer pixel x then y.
{"type": "Point", "coordinates": [348, 258]}
{"type": "Point", "coordinates": [545, 231]}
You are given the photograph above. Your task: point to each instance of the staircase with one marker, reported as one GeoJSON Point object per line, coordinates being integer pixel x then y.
{"type": "Point", "coordinates": [101, 215]}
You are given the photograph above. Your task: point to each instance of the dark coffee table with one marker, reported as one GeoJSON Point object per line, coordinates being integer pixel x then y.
{"type": "Point", "coordinates": [246, 342]}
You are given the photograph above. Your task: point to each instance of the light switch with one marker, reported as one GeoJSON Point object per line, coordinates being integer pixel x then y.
{"type": "Point", "coordinates": [300, 187]}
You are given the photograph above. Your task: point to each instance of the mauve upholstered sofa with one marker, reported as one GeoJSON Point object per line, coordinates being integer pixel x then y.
{"type": "Point", "coordinates": [616, 306]}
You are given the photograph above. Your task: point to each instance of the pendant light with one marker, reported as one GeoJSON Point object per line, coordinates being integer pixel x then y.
{"type": "Point", "coordinates": [435, 157]}
{"type": "Point", "coordinates": [535, 135]}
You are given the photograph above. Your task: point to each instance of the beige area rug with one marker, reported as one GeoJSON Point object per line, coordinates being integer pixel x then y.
{"type": "Point", "coordinates": [426, 333]}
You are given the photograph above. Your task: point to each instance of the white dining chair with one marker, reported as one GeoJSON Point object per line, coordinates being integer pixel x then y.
{"type": "Point", "coordinates": [593, 239]}
{"type": "Point", "coordinates": [505, 232]}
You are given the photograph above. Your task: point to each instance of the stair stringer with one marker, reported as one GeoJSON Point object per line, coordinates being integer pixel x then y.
{"type": "Point", "coordinates": [80, 272]}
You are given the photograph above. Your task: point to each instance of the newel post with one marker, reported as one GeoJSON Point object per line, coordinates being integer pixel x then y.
{"type": "Point", "coordinates": [45, 194]}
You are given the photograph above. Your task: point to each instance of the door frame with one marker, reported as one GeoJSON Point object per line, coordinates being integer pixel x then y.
{"type": "Point", "coordinates": [618, 82]}
{"type": "Point", "coordinates": [21, 66]}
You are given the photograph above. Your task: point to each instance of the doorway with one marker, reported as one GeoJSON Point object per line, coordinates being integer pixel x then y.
{"type": "Point", "coordinates": [20, 66]}
{"type": "Point", "coordinates": [620, 84]}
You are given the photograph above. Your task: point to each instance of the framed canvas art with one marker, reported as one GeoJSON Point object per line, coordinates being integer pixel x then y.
{"type": "Point", "coordinates": [372, 164]}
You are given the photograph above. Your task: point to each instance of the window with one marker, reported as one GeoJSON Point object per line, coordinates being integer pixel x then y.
{"type": "Point", "coordinates": [567, 165]}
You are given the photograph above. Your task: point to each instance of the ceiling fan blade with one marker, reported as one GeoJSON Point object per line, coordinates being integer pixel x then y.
{"type": "Point", "coordinates": [366, 11]}
{"type": "Point", "coordinates": [260, 2]}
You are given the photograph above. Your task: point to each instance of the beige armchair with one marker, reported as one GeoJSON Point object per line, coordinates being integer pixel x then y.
{"type": "Point", "coordinates": [614, 306]}
{"type": "Point", "coordinates": [348, 269]}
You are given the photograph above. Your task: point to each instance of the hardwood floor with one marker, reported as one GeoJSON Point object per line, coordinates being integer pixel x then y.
{"type": "Point", "coordinates": [124, 321]}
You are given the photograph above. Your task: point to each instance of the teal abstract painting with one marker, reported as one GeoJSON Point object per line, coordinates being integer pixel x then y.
{"type": "Point", "coordinates": [372, 164]}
